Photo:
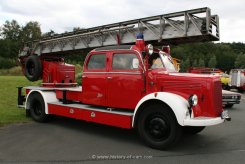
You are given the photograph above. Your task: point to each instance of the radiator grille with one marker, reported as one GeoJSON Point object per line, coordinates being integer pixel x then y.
{"type": "Point", "coordinates": [217, 97]}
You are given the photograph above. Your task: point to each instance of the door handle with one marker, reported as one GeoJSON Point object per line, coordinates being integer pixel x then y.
{"type": "Point", "coordinates": [109, 78]}
{"type": "Point", "coordinates": [84, 76]}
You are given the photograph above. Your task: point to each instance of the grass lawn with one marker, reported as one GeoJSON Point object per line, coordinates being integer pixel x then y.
{"type": "Point", "coordinates": [9, 112]}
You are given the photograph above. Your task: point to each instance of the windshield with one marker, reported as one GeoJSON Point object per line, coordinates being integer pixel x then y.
{"type": "Point", "coordinates": [157, 63]}
{"type": "Point", "coordinates": [161, 60]}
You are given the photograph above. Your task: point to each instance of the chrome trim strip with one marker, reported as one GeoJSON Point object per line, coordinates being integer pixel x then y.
{"type": "Point", "coordinates": [94, 72]}
{"type": "Point", "coordinates": [60, 83]}
{"type": "Point", "coordinates": [39, 88]}
{"type": "Point", "coordinates": [129, 73]}
{"type": "Point", "coordinates": [87, 107]}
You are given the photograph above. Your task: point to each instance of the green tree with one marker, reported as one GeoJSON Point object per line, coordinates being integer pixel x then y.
{"type": "Point", "coordinates": [201, 62]}
{"type": "Point", "coordinates": [240, 61]}
{"type": "Point", "coordinates": [11, 30]}
{"type": "Point", "coordinates": [185, 65]}
{"type": "Point", "coordinates": [194, 63]}
{"type": "Point", "coordinates": [31, 31]}
{"type": "Point", "coordinates": [8, 48]}
{"type": "Point", "coordinates": [13, 37]}
{"type": "Point", "coordinates": [76, 29]}
{"type": "Point", "coordinates": [212, 62]}
{"type": "Point", "coordinates": [48, 34]}
{"type": "Point", "coordinates": [9, 45]}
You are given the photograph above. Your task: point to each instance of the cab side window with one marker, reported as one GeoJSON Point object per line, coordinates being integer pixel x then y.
{"type": "Point", "coordinates": [97, 62]}
{"type": "Point", "coordinates": [123, 61]}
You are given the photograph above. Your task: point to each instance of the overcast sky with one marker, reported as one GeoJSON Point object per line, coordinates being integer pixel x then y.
{"type": "Point", "coordinates": [63, 15]}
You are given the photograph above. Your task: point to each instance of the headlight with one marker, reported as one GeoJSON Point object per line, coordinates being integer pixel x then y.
{"type": "Point", "coordinates": [150, 49]}
{"type": "Point", "coordinates": [193, 100]}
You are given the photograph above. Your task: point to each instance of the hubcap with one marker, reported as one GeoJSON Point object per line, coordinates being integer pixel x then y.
{"type": "Point", "coordinates": [157, 127]}
{"type": "Point", "coordinates": [37, 108]}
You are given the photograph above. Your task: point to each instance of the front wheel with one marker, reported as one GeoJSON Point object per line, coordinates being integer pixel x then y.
{"type": "Point", "coordinates": [37, 108]}
{"type": "Point", "coordinates": [158, 127]}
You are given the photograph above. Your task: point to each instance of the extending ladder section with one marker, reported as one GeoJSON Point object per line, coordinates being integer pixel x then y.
{"type": "Point", "coordinates": [175, 28]}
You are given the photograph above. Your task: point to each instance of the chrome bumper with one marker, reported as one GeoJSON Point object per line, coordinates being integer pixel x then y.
{"type": "Point", "coordinates": [225, 115]}
{"type": "Point", "coordinates": [207, 121]}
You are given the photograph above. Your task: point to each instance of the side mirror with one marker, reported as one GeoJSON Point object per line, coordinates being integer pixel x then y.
{"type": "Point", "coordinates": [135, 63]}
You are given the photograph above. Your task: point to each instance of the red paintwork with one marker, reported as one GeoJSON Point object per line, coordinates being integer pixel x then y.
{"type": "Point", "coordinates": [57, 72]}
{"type": "Point", "coordinates": [120, 90]}
{"type": "Point", "coordinates": [100, 117]}
{"type": "Point", "coordinates": [70, 95]}
{"type": "Point", "coordinates": [122, 85]}
{"type": "Point", "coordinates": [203, 70]}
{"type": "Point", "coordinates": [201, 85]}
{"type": "Point", "coordinates": [140, 45]}
{"type": "Point", "coordinates": [94, 84]}
{"type": "Point", "coordinates": [99, 90]}
{"type": "Point", "coordinates": [27, 91]}
{"type": "Point", "coordinates": [243, 86]}
{"type": "Point", "coordinates": [166, 49]}
{"type": "Point", "coordinates": [125, 88]}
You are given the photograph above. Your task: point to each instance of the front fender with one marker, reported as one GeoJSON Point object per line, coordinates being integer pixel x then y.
{"type": "Point", "coordinates": [178, 104]}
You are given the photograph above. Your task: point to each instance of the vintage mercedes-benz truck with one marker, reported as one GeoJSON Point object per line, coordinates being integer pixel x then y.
{"type": "Point", "coordinates": [125, 85]}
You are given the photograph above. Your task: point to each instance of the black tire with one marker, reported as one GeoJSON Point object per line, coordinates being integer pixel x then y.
{"type": "Point", "coordinates": [28, 114]}
{"type": "Point", "coordinates": [158, 127]}
{"type": "Point", "coordinates": [193, 129]}
{"type": "Point", "coordinates": [37, 108]}
{"type": "Point", "coordinates": [229, 105]}
{"type": "Point", "coordinates": [33, 68]}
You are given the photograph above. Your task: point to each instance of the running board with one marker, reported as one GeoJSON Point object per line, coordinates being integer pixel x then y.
{"type": "Point", "coordinates": [103, 115]}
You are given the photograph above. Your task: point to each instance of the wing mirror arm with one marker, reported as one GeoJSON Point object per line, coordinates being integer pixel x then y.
{"type": "Point", "coordinates": [136, 65]}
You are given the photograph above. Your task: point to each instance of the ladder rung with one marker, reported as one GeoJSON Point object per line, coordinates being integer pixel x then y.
{"type": "Point", "coordinates": [178, 27]}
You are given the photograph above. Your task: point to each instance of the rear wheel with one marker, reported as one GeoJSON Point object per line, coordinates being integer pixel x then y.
{"type": "Point", "coordinates": [158, 127]}
{"type": "Point", "coordinates": [193, 129]}
{"type": "Point", "coordinates": [37, 108]}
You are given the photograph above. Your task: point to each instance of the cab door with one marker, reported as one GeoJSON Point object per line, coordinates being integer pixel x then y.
{"type": "Point", "coordinates": [94, 79]}
{"type": "Point", "coordinates": [125, 81]}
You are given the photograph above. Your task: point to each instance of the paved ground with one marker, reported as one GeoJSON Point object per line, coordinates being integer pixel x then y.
{"type": "Point", "coordinates": [243, 96]}
{"type": "Point", "coordinates": [65, 140]}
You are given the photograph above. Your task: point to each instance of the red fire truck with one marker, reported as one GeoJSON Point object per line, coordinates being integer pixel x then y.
{"type": "Point", "coordinates": [127, 82]}
{"type": "Point", "coordinates": [237, 79]}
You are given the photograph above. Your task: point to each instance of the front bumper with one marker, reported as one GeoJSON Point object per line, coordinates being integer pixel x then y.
{"type": "Point", "coordinates": [227, 101]}
{"type": "Point", "coordinates": [229, 97]}
{"type": "Point", "coordinates": [207, 121]}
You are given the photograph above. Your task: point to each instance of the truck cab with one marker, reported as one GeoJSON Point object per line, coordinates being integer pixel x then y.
{"type": "Point", "coordinates": [117, 74]}
{"type": "Point", "coordinates": [114, 72]}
